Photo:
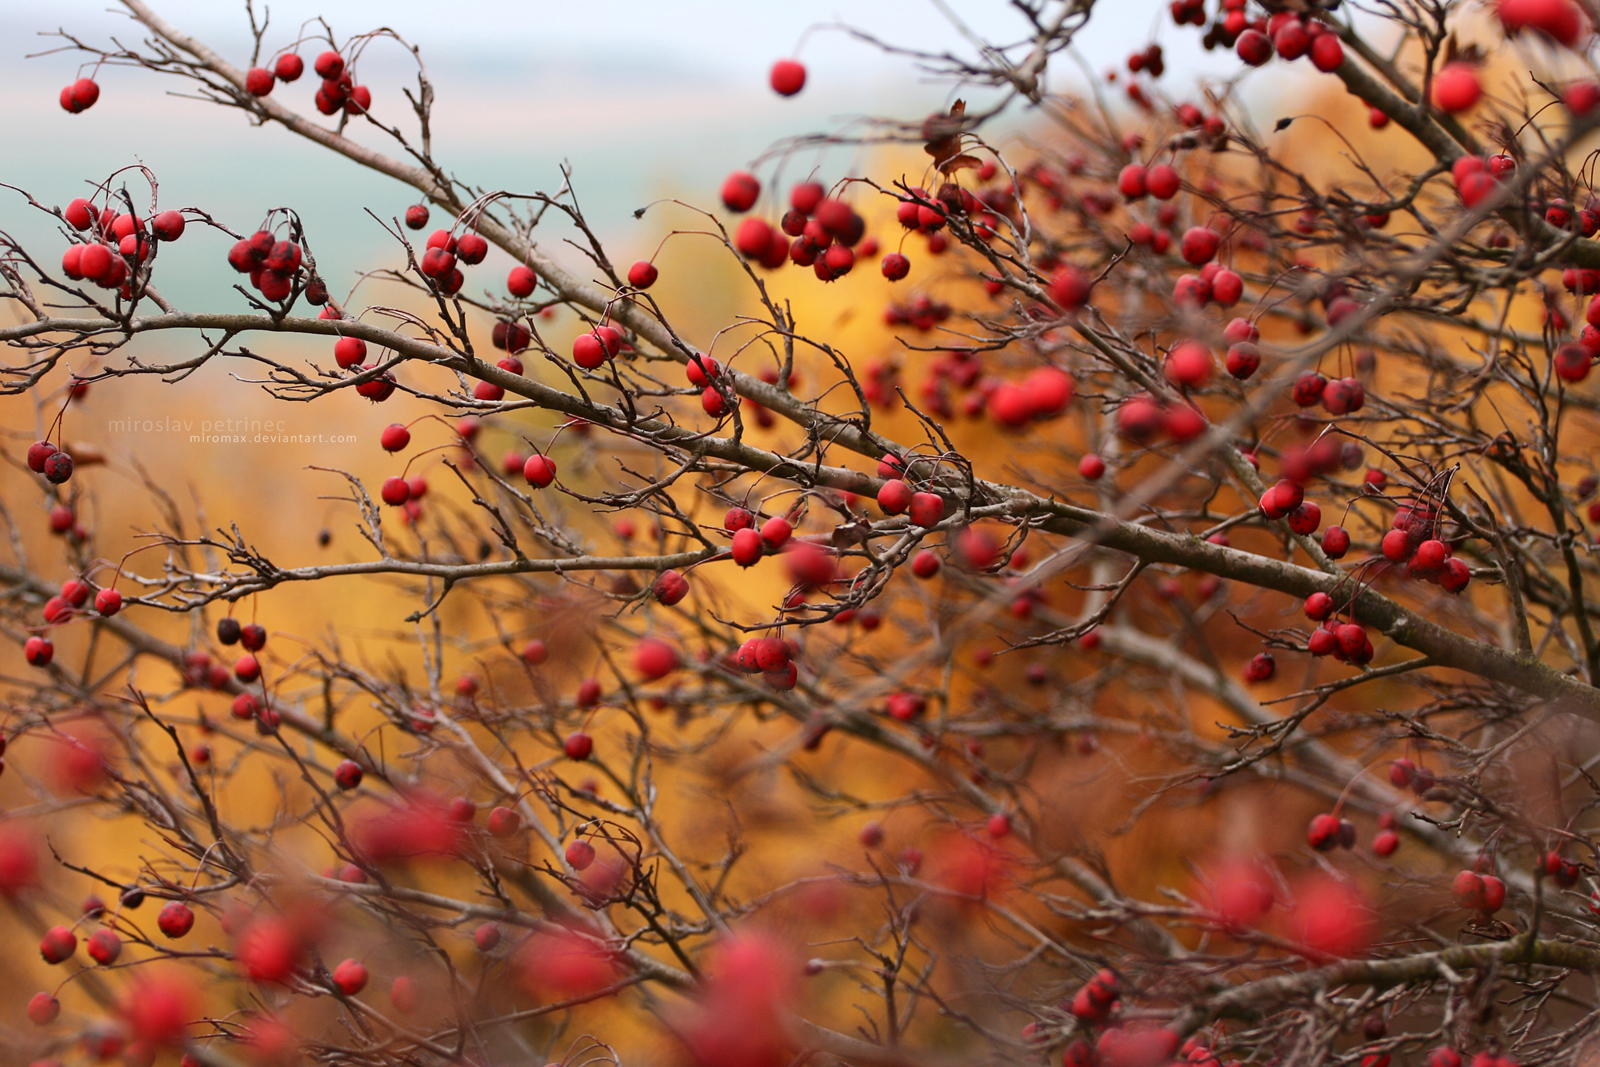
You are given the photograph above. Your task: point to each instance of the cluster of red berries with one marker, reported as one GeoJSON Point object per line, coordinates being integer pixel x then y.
{"type": "Point", "coordinates": [921, 313]}
{"type": "Point", "coordinates": [750, 543]}
{"type": "Point", "coordinates": [1288, 34]}
{"type": "Point", "coordinates": [1341, 396]}
{"type": "Point", "coordinates": [787, 77]}
{"type": "Point", "coordinates": [1142, 419]}
{"type": "Point", "coordinates": [1413, 542]}
{"type": "Point", "coordinates": [54, 463]}
{"type": "Point", "coordinates": [1477, 177]}
{"type": "Point", "coordinates": [338, 91]}
{"type": "Point", "coordinates": [1045, 393]}
{"type": "Point", "coordinates": [772, 657]}
{"type": "Point", "coordinates": [274, 266]}
{"type": "Point", "coordinates": [444, 251]}
{"type": "Point", "coordinates": [826, 232]}
{"type": "Point", "coordinates": [116, 243]}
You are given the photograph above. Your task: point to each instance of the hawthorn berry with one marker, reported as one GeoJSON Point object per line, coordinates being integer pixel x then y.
{"type": "Point", "coordinates": [740, 190]}
{"type": "Point", "coordinates": [80, 95]}
{"type": "Point", "coordinates": [578, 745]}
{"type": "Point", "coordinates": [642, 275]}
{"type": "Point", "coordinates": [175, 919]}
{"type": "Point", "coordinates": [57, 467]}
{"type": "Point", "coordinates": [486, 937]}
{"type": "Point", "coordinates": [579, 854]}
{"type": "Point", "coordinates": [348, 774]}
{"type": "Point", "coordinates": [670, 587]}
{"type": "Point", "coordinates": [788, 77]}
{"type": "Point", "coordinates": [1335, 542]}
{"type": "Point", "coordinates": [747, 547]}
{"type": "Point", "coordinates": [1131, 182]}
{"type": "Point", "coordinates": [503, 821]}
{"type": "Point", "coordinates": [108, 602]}
{"type": "Point", "coordinates": [926, 509]}
{"type": "Point", "coordinates": [58, 944]}
{"type": "Point", "coordinates": [104, 946]}
{"type": "Point", "coordinates": [1323, 834]}
{"type": "Point", "coordinates": [350, 977]}
{"type": "Point", "coordinates": [1243, 360]}
{"type": "Point", "coordinates": [43, 1009]}
{"type": "Point", "coordinates": [38, 651]}
{"type": "Point", "coordinates": [329, 66]}
{"type": "Point", "coordinates": [258, 81]}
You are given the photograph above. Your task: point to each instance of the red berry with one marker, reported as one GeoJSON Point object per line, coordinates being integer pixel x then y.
{"type": "Point", "coordinates": [1468, 890]}
{"type": "Point", "coordinates": [486, 937]}
{"type": "Point", "coordinates": [578, 745]}
{"type": "Point", "coordinates": [535, 652]}
{"type": "Point", "coordinates": [788, 77]}
{"type": "Point", "coordinates": [1131, 182]}
{"type": "Point", "coordinates": [1254, 47]}
{"type": "Point", "coordinates": [1243, 360]}
{"type": "Point", "coordinates": [58, 944]}
{"type": "Point", "coordinates": [1070, 287]}
{"type": "Point", "coordinates": [108, 602]}
{"type": "Point", "coordinates": [351, 977]}
{"type": "Point", "coordinates": [1327, 53]}
{"type": "Point", "coordinates": [329, 65]}
{"type": "Point", "coordinates": [747, 547]}
{"type": "Point", "coordinates": [740, 190]}
{"type": "Point", "coordinates": [1162, 182]}
{"type": "Point", "coordinates": [1559, 20]}
{"type": "Point", "coordinates": [38, 651]}
{"type": "Point", "coordinates": [642, 275]}
{"type": "Point", "coordinates": [670, 587]}
{"type": "Point", "coordinates": [1323, 833]}
{"type": "Point", "coordinates": [43, 1009]}
{"type": "Point", "coordinates": [289, 67]}
{"type": "Point", "coordinates": [894, 496]}
{"type": "Point", "coordinates": [1291, 40]}
{"type": "Point", "coordinates": [394, 437]}
{"type": "Point", "coordinates": [1456, 87]}
{"type": "Point", "coordinates": [38, 452]}
{"type": "Point", "coordinates": [1200, 245]}
{"type": "Point", "coordinates": [396, 491]}
{"type": "Point", "coordinates": [539, 470]}
{"type": "Point", "coordinates": [521, 281]}
{"type": "Point", "coordinates": [1189, 364]}
{"type": "Point", "coordinates": [1335, 542]}
{"type": "Point", "coordinates": [258, 81]}
{"type": "Point", "coordinates": [580, 854]}
{"type": "Point", "coordinates": [348, 774]}
{"type": "Point", "coordinates": [926, 509]}
{"type": "Point", "coordinates": [349, 351]}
